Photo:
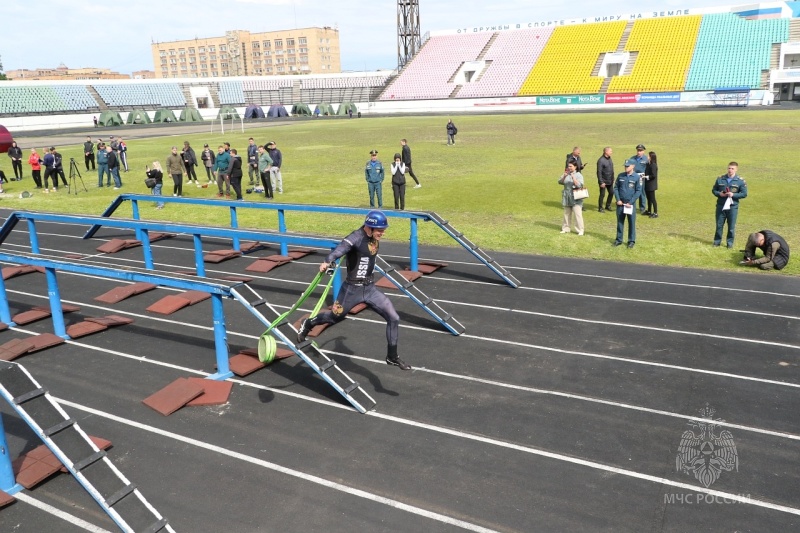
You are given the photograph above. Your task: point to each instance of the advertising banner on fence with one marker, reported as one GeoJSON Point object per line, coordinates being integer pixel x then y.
{"type": "Point", "coordinates": [578, 99]}
{"type": "Point", "coordinates": [627, 98]}
{"type": "Point", "coordinates": [659, 98]}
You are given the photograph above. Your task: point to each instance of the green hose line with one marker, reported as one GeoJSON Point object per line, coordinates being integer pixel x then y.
{"type": "Point", "coordinates": [267, 346]}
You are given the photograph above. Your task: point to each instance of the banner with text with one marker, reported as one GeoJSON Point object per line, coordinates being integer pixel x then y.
{"type": "Point", "coordinates": [577, 99]}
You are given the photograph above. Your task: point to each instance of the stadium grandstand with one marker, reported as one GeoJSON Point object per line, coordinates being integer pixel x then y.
{"type": "Point", "coordinates": [734, 55]}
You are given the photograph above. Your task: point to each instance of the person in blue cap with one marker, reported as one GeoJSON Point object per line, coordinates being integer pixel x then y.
{"type": "Point", "coordinates": [627, 189]}
{"type": "Point", "coordinates": [360, 248]}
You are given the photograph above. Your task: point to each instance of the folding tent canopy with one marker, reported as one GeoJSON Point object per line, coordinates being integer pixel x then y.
{"type": "Point", "coordinates": [190, 114]}
{"type": "Point", "coordinates": [138, 116]}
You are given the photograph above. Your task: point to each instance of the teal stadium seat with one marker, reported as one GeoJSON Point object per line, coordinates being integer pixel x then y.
{"type": "Point", "coordinates": [718, 62]}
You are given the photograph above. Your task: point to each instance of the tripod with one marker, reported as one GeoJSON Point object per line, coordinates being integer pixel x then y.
{"type": "Point", "coordinates": [73, 174]}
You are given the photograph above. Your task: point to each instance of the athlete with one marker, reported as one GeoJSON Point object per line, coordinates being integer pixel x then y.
{"type": "Point", "coordinates": [361, 249]}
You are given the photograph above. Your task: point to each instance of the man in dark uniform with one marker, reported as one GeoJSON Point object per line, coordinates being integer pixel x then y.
{"type": "Point", "coordinates": [361, 249]}
{"type": "Point", "coordinates": [727, 186]}
{"type": "Point", "coordinates": [626, 190]}
{"type": "Point", "coordinates": [88, 153]}
{"type": "Point", "coordinates": [774, 247]}
{"type": "Point", "coordinates": [641, 164]}
{"type": "Point", "coordinates": [605, 179]}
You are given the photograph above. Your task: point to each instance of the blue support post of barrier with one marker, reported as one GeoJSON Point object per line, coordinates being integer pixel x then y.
{"type": "Point", "coordinates": [55, 303]}
{"type": "Point", "coordinates": [7, 483]}
{"type": "Point", "coordinates": [199, 264]}
{"type": "Point", "coordinates": [235, 225]}
{"type": "Point", "coordinates": [414, 245]}
{"type": "Point", "coordinates": [135, 209]}
{"type": "Point", "coordinates": [34, 236]}
{"type": "Point", "coordinates": [146, 250]}
{"type": "Point", "coordinates": [282, 229]}
{"type": "Point", "coordinates": [5, 313]}
{"type": "Point", "coordinates": [220, 340]}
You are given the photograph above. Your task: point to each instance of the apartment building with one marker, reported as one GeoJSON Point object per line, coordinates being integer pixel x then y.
{"type": "Point", "coordinates": [241, 53]}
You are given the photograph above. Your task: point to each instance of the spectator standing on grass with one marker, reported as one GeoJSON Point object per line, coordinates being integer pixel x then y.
{"type": "Point", "coordinates": [235, 173]}
{"type": "Point", "coordinates": [88, 153]}
{"type": "Point", "coordinates": [571, 179]}
{"type": "Point", "coordinates": [15, 153]}
{"type": "Point", "coordinates": [575, 157]}
{"type": "Point", "coordinates": [398, 169]}
{"type": "Point", "coordinates": [640, 165]}
{"type": "Point", "coordinates": [175, 169]}
{"type": "Point", "coordinates": [122, 152]}
{"type": "Point", "coordinates": [113, 166]}
{"type": "Point", "coordinates": [451, 132]}
{"type": "Point", "coordinates": [406, 155]}
{"type": "Point", "coordinates": [729, 189]}
{"type": "Point", "coordinates": [157, 174]}
{"type": "Point", "coordinates": [36, 167]}
{"type": "Point", "coordinates": [605, 180]}
{"type": "Point", "coordinates": [208, 159]}
{"type": "Point", "coordinates": [275, 171]}
{"type": "Point", "coordinates": [221, 166]}
{"type": "Point", "coordinates": [264, 164]}
{"type": "Point", "coordinates": [189, 161]}
{"type": "Point", "coordinates": [58, 167]}
{"type": "Point", "coordinates": [102, 166]}
{"type": "Point", "coordinates": [374, 174]}
{"type": "Point", "coordinates": [651, 185]}
{"type": "Point", "coordinates": [626, 190]}
{"type": "Point", "coordinates": [48, 170]}
{"type": "Point", "coordinates": [252, 160]}
{"type": "Point", "coordinates": [94, 119]}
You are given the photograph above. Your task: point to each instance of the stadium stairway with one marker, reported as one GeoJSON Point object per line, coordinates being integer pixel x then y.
{"type": "Point", "coordinates": [100, 103]}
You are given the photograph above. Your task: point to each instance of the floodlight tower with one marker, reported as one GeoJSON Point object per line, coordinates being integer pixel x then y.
{"type": "Point", "coordinates": [408, 36]}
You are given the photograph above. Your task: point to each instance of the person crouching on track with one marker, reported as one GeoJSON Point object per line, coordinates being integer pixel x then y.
{"type": "Point", "coordinates": [361, 249]}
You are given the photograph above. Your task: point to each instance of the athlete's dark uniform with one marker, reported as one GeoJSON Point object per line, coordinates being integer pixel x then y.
{"type": "Point", "coordinates": [360, 251]}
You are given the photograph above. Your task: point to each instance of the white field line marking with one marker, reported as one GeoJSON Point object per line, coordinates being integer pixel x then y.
{"type": "Point", "coordinates": [63, 515]}
{"type": "Point", "coordinates": [523, 388]}
{"type": "Point", "coordinates": [284, 470]}
{"type": "Point", "coordinates": [464, 335]}
{"type": "Point", "coordinates": [526, 269]}
{"type": "Point", "coordinates": [566, 293]}
{"type": "Point", "coordinates": [445, 431]}
{"type": "Point", "coordinates": [617, 324]}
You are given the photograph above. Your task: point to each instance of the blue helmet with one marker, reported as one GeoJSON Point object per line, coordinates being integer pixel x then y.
{"type": "Point", "coordinates": [376, 220]}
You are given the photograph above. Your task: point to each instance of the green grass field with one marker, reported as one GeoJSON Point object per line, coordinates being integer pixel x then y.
{"type": "Point", "coordinates": [498, 183]}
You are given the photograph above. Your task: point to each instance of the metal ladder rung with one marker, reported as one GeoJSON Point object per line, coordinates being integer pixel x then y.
{"type": "Point", "coordinates": [22, 398]}
{"type": "Point", "coordinates": [83, 463]}
{"type": "Point", "coordinates": [447, 317]}
{"type": "Point", "coordinates": [303, 345]}
{"type": "Point", "coordinates": [117, 496]}
{"type": "Point", "coordinates": [390, 270]}
{"type": "Point", "coordinates": [64, 424]}
{"type": "Point", "coordinates": [260, 301]}
{"type": "Point", "coordinates": [427, 301]}
{"type": "Point", "coordinates": [407, 284]}
{"type": "Point", "coordinates": [157, 526]}
{"type": "Point", "coordinates": [327, 365]}
{"type": "Point", "coordinates": [350, 388]}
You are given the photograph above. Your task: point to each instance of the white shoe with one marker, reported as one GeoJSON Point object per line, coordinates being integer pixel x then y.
{"type": "Point", "coordinates": [174, 195]}
{"type": "Point", "coordinates": [564, 231]}
{"type": "Point", "coordinates": [418, 185]}
{"type": "Point", "coordinates": [580, 233]}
